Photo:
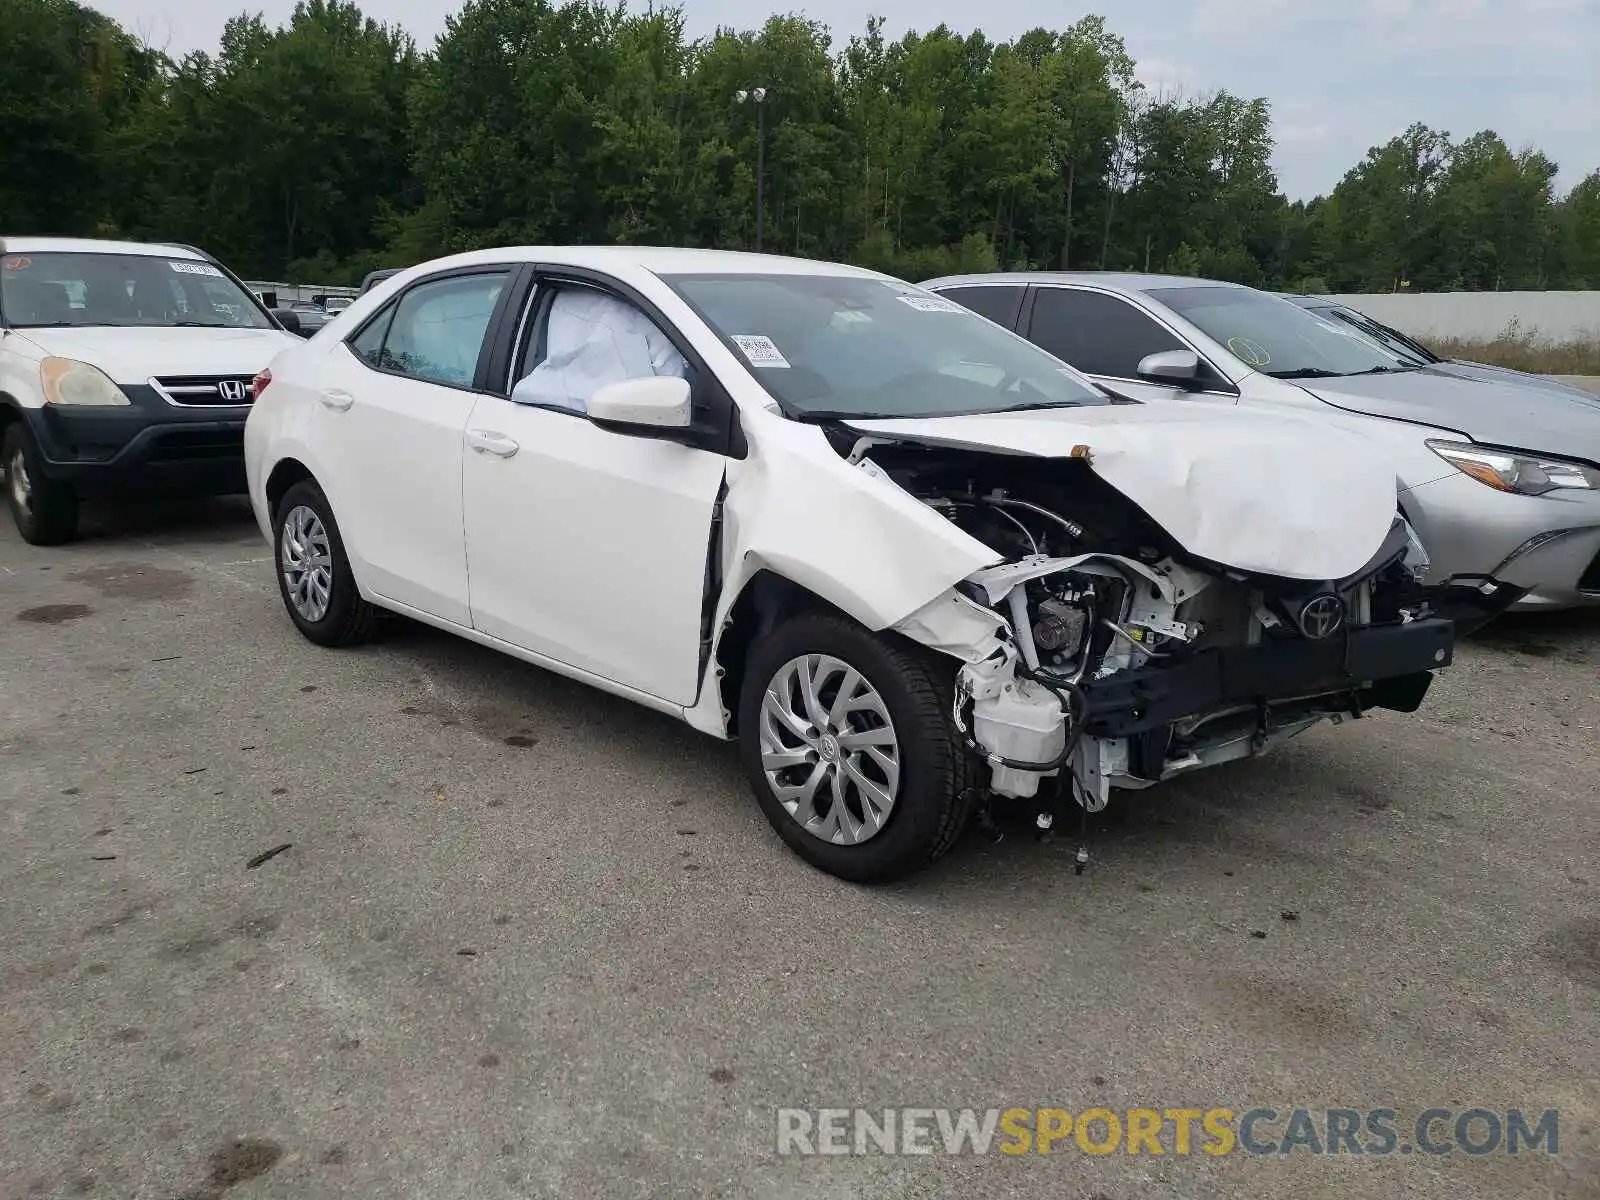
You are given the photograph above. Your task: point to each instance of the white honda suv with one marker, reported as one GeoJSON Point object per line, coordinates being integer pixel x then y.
{"type": "Point", "coordinates": [124, 368]}
{"type": "Point", "coordinates": [909, 560]}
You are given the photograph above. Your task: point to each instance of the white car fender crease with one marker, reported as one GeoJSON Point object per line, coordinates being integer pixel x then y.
{"type": "Point", "coordinates": [1202, 473]}
{"type": "Point", "coordinates": [954, 625]}
{"type": "Point", "coordinates": [853, 537]}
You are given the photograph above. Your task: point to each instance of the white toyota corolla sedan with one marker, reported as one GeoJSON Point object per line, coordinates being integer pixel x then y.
{"type": "Point", "coordinates": [911, 562]}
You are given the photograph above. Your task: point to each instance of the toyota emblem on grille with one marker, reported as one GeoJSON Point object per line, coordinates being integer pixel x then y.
{"type": "Point", "coordinates": [232, 389]}
{"type": "Point", "coordinates": [1321, 616]}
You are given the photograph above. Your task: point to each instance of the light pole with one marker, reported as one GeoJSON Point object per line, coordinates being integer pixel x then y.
{"type": "Point", "coordinates": [759, 95]}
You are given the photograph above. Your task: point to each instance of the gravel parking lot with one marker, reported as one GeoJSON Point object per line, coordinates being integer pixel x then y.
{"type": "Point", "coordinates": [529, 940]}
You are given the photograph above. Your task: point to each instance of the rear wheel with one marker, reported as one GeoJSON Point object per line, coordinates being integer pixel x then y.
{"type": "Point", "coordinates": [314, 577]}
{"type": "Point", "coordinates": [45, 510]}
{"type": "Point", "coordinates": [848, 742]}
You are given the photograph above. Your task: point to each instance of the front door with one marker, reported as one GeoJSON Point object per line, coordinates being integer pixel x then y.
{"type": "Point", "coordinates": [588, 546]}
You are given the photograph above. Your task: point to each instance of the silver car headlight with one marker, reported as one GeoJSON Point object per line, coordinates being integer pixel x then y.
{"type": "Point", "coordinates": [1524, 474]}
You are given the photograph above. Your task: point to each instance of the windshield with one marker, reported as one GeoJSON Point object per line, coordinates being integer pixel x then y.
{"type": "Point", "coordinates": [51, 289]}
{"type": "Point", "coordinates": [1392, 340]}
{"type": "Point", "coordinates": [847, 346]}
{"type": "Point", "coordinates": [1278, 337]}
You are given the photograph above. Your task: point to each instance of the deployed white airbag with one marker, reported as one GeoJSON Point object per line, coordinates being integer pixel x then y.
{"type": "Point", "coordinates": [594, 339]}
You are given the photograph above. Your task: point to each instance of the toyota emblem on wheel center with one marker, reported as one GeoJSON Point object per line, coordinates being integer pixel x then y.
{"type": "Point", "coordinates": [1322, 615]}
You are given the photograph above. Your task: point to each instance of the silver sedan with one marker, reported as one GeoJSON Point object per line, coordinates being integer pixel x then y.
{"type": "Point", "coordinates": [1499, 477]}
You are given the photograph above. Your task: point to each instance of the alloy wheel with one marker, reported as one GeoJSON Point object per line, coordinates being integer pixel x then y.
{"type": "Point", "coordinates": [829, 749]}
{"type": "Point", "coordinates": [306, 560]}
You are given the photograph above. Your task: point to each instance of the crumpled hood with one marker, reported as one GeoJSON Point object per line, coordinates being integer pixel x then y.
{"type": "Point", "coordinates": [1488, 406]}
{"type": "Point", "coordinates": [131, 355]}
{"type": "Point", "coordinates": [1275, 495]}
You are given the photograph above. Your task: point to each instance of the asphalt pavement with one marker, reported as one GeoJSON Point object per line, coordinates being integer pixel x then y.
{"type": "Point", "coordinates": [529, 940]}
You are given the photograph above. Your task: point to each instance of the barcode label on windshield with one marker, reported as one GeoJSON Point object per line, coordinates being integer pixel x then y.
{"type": "Point", "coordinates": [195, 268]}
{"type": "Point", "coordinates": [931, 303]}
{"type": "Point", "coordinates": [760, 350]}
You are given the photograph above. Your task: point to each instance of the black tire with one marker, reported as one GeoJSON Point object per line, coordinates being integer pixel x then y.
{"type": "Point", "coordinates": [50, 515]}
{"type": "Point", "coordinates": [349, 620]}
{"type": "Point", "coordinates": [935, 796]}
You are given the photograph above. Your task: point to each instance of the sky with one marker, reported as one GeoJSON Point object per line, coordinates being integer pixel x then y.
{"type": "Point", "coordinates": [1342, 75]}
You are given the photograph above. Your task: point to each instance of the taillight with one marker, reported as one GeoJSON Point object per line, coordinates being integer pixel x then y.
{"type": "Point", "coordinates": [259, 384]}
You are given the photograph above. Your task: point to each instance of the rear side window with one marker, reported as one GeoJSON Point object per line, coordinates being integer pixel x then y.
{"type": "Point", "coordinates": [435, 331]}
{"type": "Point", "coordinates": [1000, 302]}
{"type": "Point", "coordinates": [368, 344]}
{"type": "Point", "coordinates": [1097, 333]}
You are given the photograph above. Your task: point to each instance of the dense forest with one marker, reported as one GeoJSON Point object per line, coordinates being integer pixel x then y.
{"type": "Point", "coordinates": [334, 145]}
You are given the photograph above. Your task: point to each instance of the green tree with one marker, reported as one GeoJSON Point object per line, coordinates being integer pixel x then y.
{"type": "Point", "coordinates": [71, 81]}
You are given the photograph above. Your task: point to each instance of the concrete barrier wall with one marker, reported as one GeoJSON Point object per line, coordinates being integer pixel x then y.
{"type": "Point", "coordinates": [1484, 316]}
{"type": "Point", "coordinates": [1588, 382]}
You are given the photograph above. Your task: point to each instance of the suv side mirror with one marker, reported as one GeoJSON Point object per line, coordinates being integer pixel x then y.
{"type": "Point", "coordinates": [1176, 368]}
{"type": "Point", "coordinates": [289, 319]}
{"type": "Point", "coordinates": [655, 402]}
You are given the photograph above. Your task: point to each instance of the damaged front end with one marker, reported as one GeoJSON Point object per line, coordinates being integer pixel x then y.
{"type": "Point", "coordinates": [1101, 655]}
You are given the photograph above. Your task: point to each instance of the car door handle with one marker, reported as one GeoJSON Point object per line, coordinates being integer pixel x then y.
{"type": "Point", "coordinates": [486, 441]}
{"type": "Point", "coordinates": [337, 399]}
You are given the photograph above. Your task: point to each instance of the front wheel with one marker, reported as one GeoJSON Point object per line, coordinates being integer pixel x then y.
{"type": "Point", "coordinates": [45, 510]}
{"type": "Point", "coordinates": [848, 742]}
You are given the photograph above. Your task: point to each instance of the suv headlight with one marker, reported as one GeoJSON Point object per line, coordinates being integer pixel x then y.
{"type": "Point", "coordinates": [1524, 474]}
{"type": "Point", "coordinates": [68, 381]}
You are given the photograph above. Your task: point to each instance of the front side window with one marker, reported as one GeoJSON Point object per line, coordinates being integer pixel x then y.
{"type": "Point", "coordinates": [862, 346]}
{"type": "Point", "coordinates": [1277, 337]}
{"type": "Point", "coordinates": [438, 328]}
{"type": "Point", "coordinates": [590, 338]}
{"type": "Point", "coordinates": [59, 288]}
{"type": "Point", "coordinates": [1097, 333]}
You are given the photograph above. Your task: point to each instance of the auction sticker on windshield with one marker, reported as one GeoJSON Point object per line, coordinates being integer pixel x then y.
{"type": "Point", "coordinates": [931, 304]}
{"type": "Point", "coordinates": [760, 350]}
{"type": "Point", "coordinates": [18, 262]}
{"type": "Point", "coordinates": [195, 268]}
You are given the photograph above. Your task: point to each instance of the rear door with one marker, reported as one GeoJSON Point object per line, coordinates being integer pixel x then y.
{"type": "Point", "coordinates": [392, 403]}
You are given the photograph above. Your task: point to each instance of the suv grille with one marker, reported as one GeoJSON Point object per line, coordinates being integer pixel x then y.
{"type": "Point", "coordinates": [205, 391]}
{"type": "Point", "coordinates": [193, 445]}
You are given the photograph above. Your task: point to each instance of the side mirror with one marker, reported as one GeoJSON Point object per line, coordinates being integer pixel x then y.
{"type": "Point", "coordinates": [1176, 368]}
{"type": "Point", "coordinates": [653, 402]}
{"type": "Point", "coordinates": [288, 319]}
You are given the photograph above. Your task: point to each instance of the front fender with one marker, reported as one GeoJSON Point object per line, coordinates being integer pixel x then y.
{"type": "Point", "coordinates": [843, 532]}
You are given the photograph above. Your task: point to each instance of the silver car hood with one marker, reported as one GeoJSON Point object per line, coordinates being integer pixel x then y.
{"type": "Point", "coordinates": [1463, 369]}
{"type": "Point", "coordinates": [1248, 489]}
{"type": "Point", "coordinates": [1497, 409]}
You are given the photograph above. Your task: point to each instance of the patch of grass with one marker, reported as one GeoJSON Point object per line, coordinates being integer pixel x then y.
{"type": "Point", "coordinates": [1520, 350]}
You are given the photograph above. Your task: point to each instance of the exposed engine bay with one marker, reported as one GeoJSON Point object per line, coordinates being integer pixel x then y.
{"type": "Point", "coordinates": [1119, 660]}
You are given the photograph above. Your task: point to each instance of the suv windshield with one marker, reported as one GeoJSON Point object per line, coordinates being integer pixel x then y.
{"type": "Point", "coordinates": [60, 288]}
{"type": "Point", "coordinates": [1277, 337]}
{"type": "Point", "coordinates": [847, 346]}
